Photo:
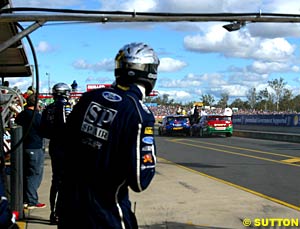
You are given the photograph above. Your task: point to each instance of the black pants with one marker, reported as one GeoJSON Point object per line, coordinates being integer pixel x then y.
{"type": "Point", "coordinates": [56, 155]}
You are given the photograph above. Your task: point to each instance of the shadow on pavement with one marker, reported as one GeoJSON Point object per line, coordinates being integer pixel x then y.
{"type": "Point", "coordinates": [176, 225]}
{"type": "Point", "coordinates": [36, 220]}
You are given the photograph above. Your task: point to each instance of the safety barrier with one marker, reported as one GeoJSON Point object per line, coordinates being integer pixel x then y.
{"type": "Point", "coordinates": [291, 120]}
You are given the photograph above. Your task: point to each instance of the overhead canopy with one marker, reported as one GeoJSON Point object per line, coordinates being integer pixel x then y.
{"type": "Point", "coordinates": [13, 60]}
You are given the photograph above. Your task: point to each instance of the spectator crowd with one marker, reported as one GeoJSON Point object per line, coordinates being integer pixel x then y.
{"type": "Point", "coordinates": [163, 110]}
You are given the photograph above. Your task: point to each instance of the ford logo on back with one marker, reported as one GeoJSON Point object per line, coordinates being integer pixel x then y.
{"type": "Point", "coordinates": [110, 96]}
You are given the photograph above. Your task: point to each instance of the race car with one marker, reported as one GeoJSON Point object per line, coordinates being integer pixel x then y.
{"type": "Point", "coordinates": [174, 124]}
{"type": "Point", "coordinates": [212, 125]}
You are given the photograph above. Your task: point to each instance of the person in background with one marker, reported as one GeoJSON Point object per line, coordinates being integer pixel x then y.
{"type": "Point", "coordinates": [179, 110]}
{"type": "Point", "coordinates": [30, 120]}
{"type": "Point", "coordinates": [112, 147]}
{"type": "Point", "coordinates": [203, 112]}
{"type": "Point", "coordinates": [195, 115]}
{"type": "Point", "coordinates": [74, 86]}
{"type": "Point", "coordinates": [5, 83]}
{"type": "Point", "coordinates": [184, 111]}
{"type": "Point", "coordinates": [30, 91]}
{"type": "Point", "coordinates": [53, 124]}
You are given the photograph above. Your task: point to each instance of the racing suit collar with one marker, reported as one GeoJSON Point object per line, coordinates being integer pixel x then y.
{"type": "Point", "coordinates": [142, 89]}
{"type": "Point", "coordinates": [136, 89]}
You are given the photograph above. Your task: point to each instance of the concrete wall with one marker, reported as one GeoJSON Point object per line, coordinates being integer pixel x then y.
{"type": "Point", "coordinates": [289, 134]}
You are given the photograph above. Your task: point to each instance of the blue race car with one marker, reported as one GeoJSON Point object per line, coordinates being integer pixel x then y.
{"type": "Point", "coordinates": [172, 124]}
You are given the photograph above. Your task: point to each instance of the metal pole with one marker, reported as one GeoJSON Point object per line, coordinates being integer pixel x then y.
{"type": "Point", "coordinates": [49, 89]}
{"type": "Point", "coordinates": [16, 158]}
{"type": "Point", "coordinates": [125, 16]}
{"type": "Point", "coordinates": [32, 75]}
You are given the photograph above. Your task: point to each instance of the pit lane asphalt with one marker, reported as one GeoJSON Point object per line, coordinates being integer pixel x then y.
{"type": "Point", "coordinates": [180, 197]}
{"type": "Point", "coordinates": [266, 167]}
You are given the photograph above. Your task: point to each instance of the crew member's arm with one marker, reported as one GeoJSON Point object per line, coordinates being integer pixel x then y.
{"type": "Point", "coordinates": [143, 156]}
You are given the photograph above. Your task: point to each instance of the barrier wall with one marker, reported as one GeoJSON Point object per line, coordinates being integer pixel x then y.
{"type": "Point", "coordinates": [289, 120]}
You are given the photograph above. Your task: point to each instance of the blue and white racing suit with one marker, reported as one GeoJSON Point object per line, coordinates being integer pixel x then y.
{"type": "Point", "coordinates": [111, 148]}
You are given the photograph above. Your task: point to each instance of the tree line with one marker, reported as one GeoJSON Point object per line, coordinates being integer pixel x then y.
{"type": "Point", "coordinates": [275, 97]}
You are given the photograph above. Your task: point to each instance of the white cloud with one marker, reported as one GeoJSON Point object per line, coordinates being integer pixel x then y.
{"type": "Point", "coordinates": [213, 79]}
{"type": "Point", "coordinates": [268, 67]}
{"type": "Point", "coordinates": [245, 77]}
{"type": "Point", "coordinates": [274, 49]}
{"type": "Point", "coordinates": [190, 80]}
{"type": "Point", "coordinates": [210, 42]}
{"type": "Point", "coordinates": [133, 5]}
{"type": "Point", "coordinates": [295, 68]}
{"type": "Point", "coordinates": [179, 83]}
{"type": "Point", "coordinates": [104, 65]}
{"type": "Point", "coordinates": [273, 30]}
{"type": "Point", "coordinates": [235, 90]}
{"type": "Point", "coordinates": [218, 39]}
{"type": "Point", "coordinates": [178, 96]}
{"type": "Point", "coordinates": [240, 44]}
{"type": "Point", "coordinates": [170, 65]}
{"type": "Point", "coordinates": [238, 6]}
{"type": "Point", "coordinates": [190, 6]}
{"type": "Point", "coordinates": [81, 64]}
{"type": "Point", "coordinates": [260, 70]}
{"type": "Point", "coordinates": [279, 6]}
{"type": "Point", "coordinates": [43, 46]}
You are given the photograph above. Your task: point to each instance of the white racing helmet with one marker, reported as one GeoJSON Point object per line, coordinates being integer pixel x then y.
{"type": "Point", "coordinates": [137, 63]}
{"type": "Point", "coordinates": [61, 90]}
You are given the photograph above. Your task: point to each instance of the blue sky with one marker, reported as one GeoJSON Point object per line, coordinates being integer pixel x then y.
{"type": "Point", "coordinates": [197, 58]}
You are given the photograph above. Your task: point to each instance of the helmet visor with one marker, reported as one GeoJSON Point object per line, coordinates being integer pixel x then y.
{"type": "Point", "coordinates": [151, 68]}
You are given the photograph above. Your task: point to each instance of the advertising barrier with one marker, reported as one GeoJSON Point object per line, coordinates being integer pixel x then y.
{"type": "Point", "coordinates": [267, 120]}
